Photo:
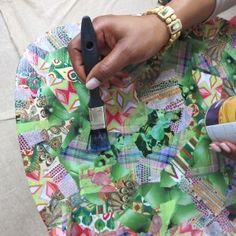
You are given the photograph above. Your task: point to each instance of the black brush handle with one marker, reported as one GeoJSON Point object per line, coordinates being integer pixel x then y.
{"type": "Point", "coordinates": [90, 57]}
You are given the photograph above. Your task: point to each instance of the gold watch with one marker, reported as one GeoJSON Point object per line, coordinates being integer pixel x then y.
{"type": "Point", "coordinates": [167, 15]}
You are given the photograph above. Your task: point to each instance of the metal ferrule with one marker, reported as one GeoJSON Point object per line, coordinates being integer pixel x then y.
{"type": "Point", "coordinates": [97, 118]}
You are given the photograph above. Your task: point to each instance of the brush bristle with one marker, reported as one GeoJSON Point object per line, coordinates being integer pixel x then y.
{"type": "Point", "coordinates": [99, 140]}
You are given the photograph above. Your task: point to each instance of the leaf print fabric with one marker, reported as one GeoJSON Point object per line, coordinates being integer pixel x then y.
{"type": "Point", "coordinates": [159, 177]}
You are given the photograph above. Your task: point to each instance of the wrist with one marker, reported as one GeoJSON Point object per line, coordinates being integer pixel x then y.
{"type": "Point", "coordinates": [159, 30]}
{"type": "Point", "coordinates": [192, 12]}
{"type": "Point", "coordinates": [172, 24]}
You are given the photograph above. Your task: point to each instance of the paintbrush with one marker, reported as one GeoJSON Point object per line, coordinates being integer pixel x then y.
{"type": "Point", "coordinates": [98, 135]}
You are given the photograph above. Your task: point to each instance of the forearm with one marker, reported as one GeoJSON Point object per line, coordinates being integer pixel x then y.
{"type": "Point", "coordinates": [192, 12]}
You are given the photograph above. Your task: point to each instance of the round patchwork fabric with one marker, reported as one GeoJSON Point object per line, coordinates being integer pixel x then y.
{"type": "Point", "coordinates": [159, 177]}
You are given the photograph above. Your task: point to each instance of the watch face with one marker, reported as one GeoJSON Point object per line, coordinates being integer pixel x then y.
{"type": "Point", "coordinates": [175, 26]}
{"type": "Point", "coordinates": [165, 12]}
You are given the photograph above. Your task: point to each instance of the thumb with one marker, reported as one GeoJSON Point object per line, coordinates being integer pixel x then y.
{"type": "Point", "coordinates": [114, 62]}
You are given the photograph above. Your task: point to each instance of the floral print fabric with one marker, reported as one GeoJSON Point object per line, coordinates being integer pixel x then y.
{"type": "Point", "coordinates": [159, 177]}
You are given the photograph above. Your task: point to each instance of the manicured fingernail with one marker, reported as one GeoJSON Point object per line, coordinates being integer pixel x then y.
{"type": "Point", "coordinates": [93, 83]}
{"type": "Point", "coordinates": [225, 147]}
{"type": "Point", "coordinates": [215, 147]}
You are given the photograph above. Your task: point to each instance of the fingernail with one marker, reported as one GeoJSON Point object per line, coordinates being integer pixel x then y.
{"type": "Point", "coordinates": [225, 147]}
{"type": "Point", "coordinates": [215, 147]}
{"type": "Point", "coordinates": [93, 83]}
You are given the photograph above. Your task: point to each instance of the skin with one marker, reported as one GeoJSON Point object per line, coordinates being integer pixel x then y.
{"type": "Point", "coordinates": [117, 43]}
{"type": "Point", "coordinates": [120, 42]}
{"type": "Point", "coordinates": [226, 148]}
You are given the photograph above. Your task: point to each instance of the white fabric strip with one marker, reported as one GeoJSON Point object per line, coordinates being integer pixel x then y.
{"type": "Point", "coordinates": [221, 6]}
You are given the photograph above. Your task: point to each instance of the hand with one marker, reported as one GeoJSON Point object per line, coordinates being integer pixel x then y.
{"type": "Point", "coordinates": [226, 148]}
{"type": "Point", "coordinates": [121, 40]}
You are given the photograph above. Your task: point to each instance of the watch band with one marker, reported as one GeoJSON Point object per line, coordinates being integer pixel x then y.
{"type": "Point", "coordinates": [167, 15]}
